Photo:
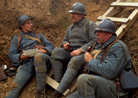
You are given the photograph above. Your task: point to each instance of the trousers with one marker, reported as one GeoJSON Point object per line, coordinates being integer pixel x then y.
{"type": "Point", "coordinates": [93, 86]}
{"type": "Point", "coordinates": [37, 65]}
{"type": "Point", "coordinates": [60, 57]}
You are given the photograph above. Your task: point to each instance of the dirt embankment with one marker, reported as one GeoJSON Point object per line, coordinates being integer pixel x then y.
{"type": "Point", "coordinates": [51, 18]}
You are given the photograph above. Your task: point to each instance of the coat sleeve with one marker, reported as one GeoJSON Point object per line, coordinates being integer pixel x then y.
{"type": "Point", "coordinates": [111, 65]}
{"type": "Point", "coordinates": [48, 46]}
{"type": "Point", "coordinates": [91, 35]}
{"type": "Point", "coordinates": [66, 37]}
{"type": "Point", "coordinates": [14, 52]}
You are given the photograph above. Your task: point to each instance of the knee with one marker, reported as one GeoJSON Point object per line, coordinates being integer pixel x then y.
{"type": "Point", "coordinates": [75, 63]}
{"type": "Point", "coordinates": [56, 52]}
{"type": "Point", "coordinates": [81, 78]}
{"type": "Point", "coordinates": [41, 57]}
{"type": "Point", "coordinates": [38, 57]}
{"type": "Point", "coordinates": [85, 78]}
{"type": "Point", "coordinates": [40, 61]}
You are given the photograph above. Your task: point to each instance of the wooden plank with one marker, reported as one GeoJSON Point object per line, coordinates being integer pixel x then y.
{"type": "Point", "coordinates": [97, 22]}
{"type": "Point", "coordinates": [125, 4]}
{"type": "Point", "coordinates": [125, 27]}
{"type": "Point", "coordinates": [111, 10]}
{"type": "Point", "coordinates": [54, 84]}
{"type": "Point", "coordinates": [114, 19]}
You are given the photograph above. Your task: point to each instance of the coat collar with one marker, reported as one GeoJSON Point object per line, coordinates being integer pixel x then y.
{"type": "Point", "coordinates": [110, 40]}
{"type": "Point", "coordinates": [80, 23]}
{"type": "Point", "coordinates": [28, 33]}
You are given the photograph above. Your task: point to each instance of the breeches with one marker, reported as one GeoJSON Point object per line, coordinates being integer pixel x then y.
{"type": "Point", "coordinates": [26, 71]}
{"type": "Point", "coordinates": [59, 57]}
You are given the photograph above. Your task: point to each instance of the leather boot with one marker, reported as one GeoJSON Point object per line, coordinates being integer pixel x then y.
{"type": "Point", "coordinates": [55, 94]}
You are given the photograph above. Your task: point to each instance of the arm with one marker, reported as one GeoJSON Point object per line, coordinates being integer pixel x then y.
{"type": "Point", "coordinates": [47, 45]}
{"type": "Point", "coordinates": [111, 65]}
{"type": "Point", "coordinates": [66, 37]}
{"type": "Point", "coordinates": [91, 37]}
{"type": "Point", "coordinates": [14, 53]}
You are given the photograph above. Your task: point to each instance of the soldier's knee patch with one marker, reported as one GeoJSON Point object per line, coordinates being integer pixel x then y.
{"type": "Point", "coordinates": [38, 57]}
{"type": "Point", "coordinates": [75, 63]}
{"type": "Point", "coordinates": [82, 77]}
{"type": "Point", "coordinates": [57, 50]}
{"type": "Point", "coordinates": [58, 53]}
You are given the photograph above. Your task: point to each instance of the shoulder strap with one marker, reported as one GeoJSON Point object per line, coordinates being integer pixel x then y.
{"type": "Point", "coordinates": [108, 47]}
{"type": "Point", "coordinates": [19, 38]}
{"type": "Point", "coordinates": [41, 38]}
{"type": "Point", "coordinates": [105, 51]}
{"type": "Point", "coordinates": [87, 26]}
{"type": "Point", "coordinates": [33, 38]}
{"type": "Point", "coordinates": [124, 51]}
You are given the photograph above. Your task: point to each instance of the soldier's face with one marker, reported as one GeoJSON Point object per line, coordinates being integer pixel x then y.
{"type": "Point", "coordinates": [102, 36]}
{"type": "Point", "coordinates": [27, 26]}
{"type": "Point", "coordinates": [76, 17]}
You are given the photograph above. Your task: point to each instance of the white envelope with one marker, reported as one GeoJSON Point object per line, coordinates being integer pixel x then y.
{"type": "Point", "coordinates": [30, 52]}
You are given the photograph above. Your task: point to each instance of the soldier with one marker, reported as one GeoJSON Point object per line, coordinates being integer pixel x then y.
{"type": "Point", "coordinates": [104, 66]}
{"type": "Point", "coordinates": [78, 37]}
{"type": "Point", "coordinates": [29, 65]}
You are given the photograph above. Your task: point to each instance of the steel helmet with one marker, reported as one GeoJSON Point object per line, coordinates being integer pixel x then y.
{"type": "Point", "coordinates": [106, 25]}
{"type": "Point", "coordinates": [22, 19]}
{"type": "Point", "coordinates": [78, 7]}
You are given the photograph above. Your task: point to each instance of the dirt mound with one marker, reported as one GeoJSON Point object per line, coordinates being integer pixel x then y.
{"type": "Point", "coordinates": [52, 18]}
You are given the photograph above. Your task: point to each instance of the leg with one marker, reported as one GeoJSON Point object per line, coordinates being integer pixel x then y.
{"type": "Point", "coordinates": [73, 95]}
{"type": "Point", "coordinates": [59, 55]}
{"type": "Point", "coordinates": [41, 61]}
{"type": "Point", "coordinates": [21, 78]}
{"type": "Point", "coordinates": [92, 86]}
{"type": "Point", "coordinates": [70, 74]}
{"type": "Point", "coordinates": [75, 63]}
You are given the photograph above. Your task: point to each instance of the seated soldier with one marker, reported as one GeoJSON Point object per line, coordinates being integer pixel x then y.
{"type": "Point", "coordinates": [105, 66]}
{"type": "Point", "coordinates": [79, 36]}
{"type": "Point", "coordinates": [29, 66]}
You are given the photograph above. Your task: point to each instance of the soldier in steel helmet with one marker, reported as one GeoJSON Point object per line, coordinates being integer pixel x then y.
{"type": "Point", "coordinates": [78, 37]}
{"type": "Point", "coordinates": [104, 66]}
{"type": "Point", "coordinates": [36, 63]}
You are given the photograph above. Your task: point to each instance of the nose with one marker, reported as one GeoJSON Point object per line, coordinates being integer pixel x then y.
{"type": "Point", "coordinates": [31, 24]}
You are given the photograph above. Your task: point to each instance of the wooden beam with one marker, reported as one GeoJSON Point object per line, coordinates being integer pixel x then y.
{"type": "Point", "coordinates": [125, 27]}
{"type": "Point", "coordinates": [114, 19]}
{"type": "Point", "coordinates": [125, 4]}
{"type": "Point", "coordinates": [111, 10]}
{"type": "Point", "coordinates": [54, 84]}
{"type": "Point", "coordinates": [97, 22]}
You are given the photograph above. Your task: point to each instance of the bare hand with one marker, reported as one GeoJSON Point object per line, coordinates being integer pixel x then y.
{"type": "Point", "coordinates": [76, 52]}
{"type": "Point", "coordinates": [88, 57]}
{"type": "Point", "coordinates": [66, 46]}
{"type": "Point", "coordinates": [43, 51]}
{"type": "Point", "coordinates": [23, 57]}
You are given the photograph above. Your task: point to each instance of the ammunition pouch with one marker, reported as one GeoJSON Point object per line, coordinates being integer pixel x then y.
{"type": "Point", "coordinates": [128, 79]}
